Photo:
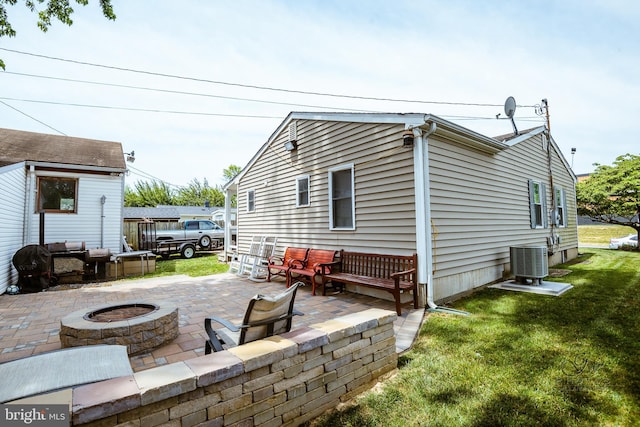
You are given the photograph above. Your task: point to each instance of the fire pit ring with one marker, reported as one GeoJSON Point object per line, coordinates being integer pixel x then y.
{"type": "Point", "coordinates": [141, 326]}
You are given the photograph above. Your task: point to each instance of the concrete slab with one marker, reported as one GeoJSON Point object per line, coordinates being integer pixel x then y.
{"type": "Point", "coordinates": [545, 288]}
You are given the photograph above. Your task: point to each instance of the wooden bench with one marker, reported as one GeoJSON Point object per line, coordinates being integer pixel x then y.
{"type": "Point", "coordinates": [279, 266]}
{"type": "Point", "coordinates": [318, 260]}
{"type": "Point", "coordinates": [393, 273]}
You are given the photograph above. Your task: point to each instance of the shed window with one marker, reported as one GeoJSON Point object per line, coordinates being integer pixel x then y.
{"type": "Point", "coordinates": [302, 191]}
{"type": "Point", "coordinates": [537, 204]}
{"type": "Point", "coordinates": [57, 194]}
{"type": "Point", "coordinates": [341, 198]}
{"type": "Point", "coordinates": [561, 207]}
{"type": "Point", "coordinates": [251, 201]}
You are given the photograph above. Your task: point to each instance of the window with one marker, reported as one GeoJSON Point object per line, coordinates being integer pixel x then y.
{"type": "Point", "coordinates": [341, 198]}
{"type": "Point", "coordinates": [537, 204]}
{"type": "Point", "coordinates": [251, 201]}
{"type": "Point", "coordinates": [57, 194]}
{"type": "Point", "coordinates": [302, 191]}
{"type": "Point", "coordinates": [561, 207]}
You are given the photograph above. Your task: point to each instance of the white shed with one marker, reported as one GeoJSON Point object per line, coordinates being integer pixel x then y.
{"type": "Point", "coordinates": [78, 183]}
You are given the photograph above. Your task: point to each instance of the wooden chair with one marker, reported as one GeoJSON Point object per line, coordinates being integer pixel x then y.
{"type": "Point", "coordinates": [318, 262]}
{"type": "Point", "coordinates": [265, 316]}
{"type": "Point", "coordinates": [279, 266]}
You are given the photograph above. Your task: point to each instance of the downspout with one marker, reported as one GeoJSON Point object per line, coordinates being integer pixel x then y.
{"type": "Point", "coordinates": [423, 217]}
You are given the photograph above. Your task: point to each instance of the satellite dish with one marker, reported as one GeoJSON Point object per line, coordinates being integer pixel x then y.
{"type": "Point", "coordinates": [510, 107]}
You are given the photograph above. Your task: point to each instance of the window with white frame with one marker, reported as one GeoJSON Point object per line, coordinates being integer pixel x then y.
{"type": "Point", "coordinates": [57, 195]}
{"type": "Point", "coordinates": [251, 200]}
{"type": "Point", "coordinates": [537, 204]}
{"type": "Point", "coordinates": [342, 210]}
{"type": "Point", "coordinates": [302, 191]}
{"type": "Point", "coordinates": [561, 207]}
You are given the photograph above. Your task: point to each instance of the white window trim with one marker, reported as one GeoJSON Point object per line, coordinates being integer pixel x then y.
{"type": "Point", "coordinates": [298, 179]}
{"type": "Point", "coordinates": [562, 203]}
{"type": "Point", "coordinates": [351, 167]}
{"type": "Point", "coordinates": [251, 191]}
{"type": "Point", "coordinates": [543, 204]}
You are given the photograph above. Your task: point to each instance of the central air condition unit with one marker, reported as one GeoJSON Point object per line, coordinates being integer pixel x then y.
{"type": "Point", "coordinates": [529, 262]}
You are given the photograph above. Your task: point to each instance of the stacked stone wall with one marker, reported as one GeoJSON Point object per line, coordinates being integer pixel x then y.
{"type": "Point", "coordinates": [282, 380]}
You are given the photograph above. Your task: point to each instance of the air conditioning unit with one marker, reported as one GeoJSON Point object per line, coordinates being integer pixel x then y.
{"type": "Point", "coordinates": [529, 262]}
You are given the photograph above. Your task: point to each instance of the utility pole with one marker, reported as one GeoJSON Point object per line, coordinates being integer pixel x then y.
{"type": "Point", "coordinates": [545, 105]}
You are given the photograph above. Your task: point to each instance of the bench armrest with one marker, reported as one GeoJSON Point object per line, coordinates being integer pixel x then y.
{"type": "Point", "coordinates": [325, 267]}
{"type": "Point", "coordinates": [402, 273]}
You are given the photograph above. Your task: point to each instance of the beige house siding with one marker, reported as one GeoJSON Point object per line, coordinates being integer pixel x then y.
{"type": "Point", "coordinates": [479, 196]}
{"type": "Point", "coordinates": [383, 171]}
{"type": "Point", "coordinates": [480, 207]}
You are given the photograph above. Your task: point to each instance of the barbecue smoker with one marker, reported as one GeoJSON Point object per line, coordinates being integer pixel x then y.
{"type": "Point", "coordinates": [33, 263]}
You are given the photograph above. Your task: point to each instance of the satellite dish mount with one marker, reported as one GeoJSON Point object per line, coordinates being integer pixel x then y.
{"type": "Point", "coordinates": [510, 110]}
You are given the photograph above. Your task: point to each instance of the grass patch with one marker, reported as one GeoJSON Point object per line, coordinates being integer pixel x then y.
{"type": "Point", "coordinates": [601, 234]}
{"type": "Point", "coordinates": [522, 359]}
{"type": "Point", "coordinates": [200, 265]}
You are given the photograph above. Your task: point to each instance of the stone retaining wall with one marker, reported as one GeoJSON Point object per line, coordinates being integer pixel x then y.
{"type": "Point", "coordinates": [282, 380]}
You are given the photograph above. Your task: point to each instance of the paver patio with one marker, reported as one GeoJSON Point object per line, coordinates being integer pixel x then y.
{"type": "Point", "coordinates": [30, 323]}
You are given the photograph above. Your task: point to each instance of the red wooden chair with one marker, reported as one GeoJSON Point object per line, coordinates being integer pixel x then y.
{"type": "Point", "coordinates": [279, 266]}
{"type": "Point", "coordinates": [318, 262]}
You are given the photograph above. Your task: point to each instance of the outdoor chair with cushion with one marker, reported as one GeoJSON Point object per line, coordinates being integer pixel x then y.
{"type": "Point", "coordinates": [280, 265]}
{"type": "Point", "coordinates": [265, 316]}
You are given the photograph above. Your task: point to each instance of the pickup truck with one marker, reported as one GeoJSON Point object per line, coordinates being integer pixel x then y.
{"type": "Point", "coordinates": [206, 233]}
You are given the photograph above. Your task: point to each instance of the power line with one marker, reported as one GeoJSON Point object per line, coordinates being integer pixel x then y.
{"type": "Point", "coordinates": [147, 110]}
{"type": "Point", "coordinates": [248, 86]}
{"type": "Point", "coordinates": [33, 118]}
{"type": "Point", "coordinates": [178, 92]}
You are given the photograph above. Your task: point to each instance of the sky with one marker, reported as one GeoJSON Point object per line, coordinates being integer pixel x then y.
{"type": "Point", "coordinates": [193, 87]}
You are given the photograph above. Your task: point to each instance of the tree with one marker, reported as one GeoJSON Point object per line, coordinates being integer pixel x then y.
{"type": "Point", "coordinates": [231, 172]}
{"type": "Point", "coordinates": [196, 194]}
{"type": "Point", "coordinates": [149, 194]}
{"type": "Point", "coordinates": [612, 193]}
{"type": "Point", "coordinates": [58, 9]}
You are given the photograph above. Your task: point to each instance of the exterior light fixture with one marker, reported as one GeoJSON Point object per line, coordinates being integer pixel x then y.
{"type": "Point", "coordinates": [290, 145]}
{"type": "Point", "coordinates": [407, 138]}
{"type": "Point", "coordinates": [131, 157]}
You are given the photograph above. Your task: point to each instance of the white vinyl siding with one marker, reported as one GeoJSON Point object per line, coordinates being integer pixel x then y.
{"type": "Point", "coordinates": [302, 191]}
{"type": "Point", "coordinates": [12, 194]}
{"type": "Point", "coordinates": [342, 208]}
{"type": "Point", "coordinates": [86, 225]}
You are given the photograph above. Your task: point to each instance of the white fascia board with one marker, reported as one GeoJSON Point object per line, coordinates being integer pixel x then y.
{"type": "Point", "coordinates": [525, 136]}
{"type": "Point", "coordinates": [75, 167]}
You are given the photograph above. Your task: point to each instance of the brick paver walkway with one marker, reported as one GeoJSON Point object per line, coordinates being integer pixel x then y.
{"type": "Point", "coordinates": [30, 323]}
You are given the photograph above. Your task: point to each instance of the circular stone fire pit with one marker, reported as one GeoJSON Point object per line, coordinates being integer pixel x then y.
{"type": "Point", "coordinates": [141, 326]}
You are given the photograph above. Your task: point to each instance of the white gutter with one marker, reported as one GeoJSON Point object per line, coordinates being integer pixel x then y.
{"type": "Point", "coordinates": [424, 237]}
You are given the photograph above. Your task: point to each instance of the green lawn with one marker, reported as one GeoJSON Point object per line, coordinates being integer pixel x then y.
{"type": "Point", "coordinates": [523, 359]}
{"type": "Point", "coordinates": [200, 265]}
{"type": "Point", "coordinates": [600, 234]}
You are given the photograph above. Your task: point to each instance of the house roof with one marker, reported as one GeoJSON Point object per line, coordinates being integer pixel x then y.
{"type": "Point", "coordinates": [18, 146]}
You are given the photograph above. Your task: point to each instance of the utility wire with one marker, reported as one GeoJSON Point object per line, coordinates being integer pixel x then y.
{"type": "Point", "coordinates": [33, 118]}
{"type": "Point", "coordinates": [178, 92]}
{"type": "Point", "coordinates": [267, 88]}
{"type": "Point", "coordinates": [106, 107]}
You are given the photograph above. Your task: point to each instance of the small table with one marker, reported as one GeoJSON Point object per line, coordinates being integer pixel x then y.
{"type": "Point", "coordinates": [144, 255]}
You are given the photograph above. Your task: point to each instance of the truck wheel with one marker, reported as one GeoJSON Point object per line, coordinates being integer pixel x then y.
{"type": "Point", "coordinates": [188, 251]}
{"type": "Point", "coordinates": [205, 242]}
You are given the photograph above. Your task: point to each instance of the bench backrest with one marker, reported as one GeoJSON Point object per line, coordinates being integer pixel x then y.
{"type": "Point", "coordinates": [377, 265]}
{"type": "Point", "coordinates": [320, 256]}
{"type": "Point", "coordinates": [294, 253]}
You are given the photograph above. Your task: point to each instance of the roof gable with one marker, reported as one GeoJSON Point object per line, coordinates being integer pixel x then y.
{"type": "Point", "coordinates": [18, 146]}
